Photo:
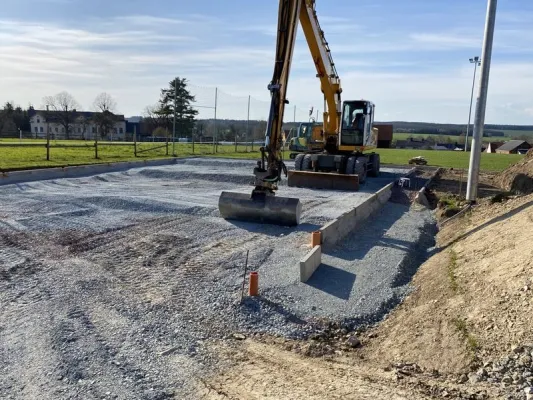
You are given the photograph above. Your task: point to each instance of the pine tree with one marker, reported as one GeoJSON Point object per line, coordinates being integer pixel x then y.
{"type": "Point", "coordinates": [185, 113]}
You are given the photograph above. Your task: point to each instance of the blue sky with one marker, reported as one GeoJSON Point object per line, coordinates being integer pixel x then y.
{"type": "Point", "coordinates": [410, 57]}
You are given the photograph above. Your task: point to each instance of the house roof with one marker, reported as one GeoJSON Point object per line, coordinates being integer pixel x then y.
{"type": "Point", "coordinates": [496, 144]}
{"type": "Point", "coordinates": [513, 144]}
{"type": "Point", "coordinates": [77, 114]}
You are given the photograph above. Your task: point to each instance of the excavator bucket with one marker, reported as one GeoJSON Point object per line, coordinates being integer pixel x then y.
{"type": "Point", "coordinates": [285, 211]}
{"type": "Point", "coordinates": [323, 180]}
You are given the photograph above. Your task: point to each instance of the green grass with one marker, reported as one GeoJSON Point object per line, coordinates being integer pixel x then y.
{"type": "Point", "coordinates": [452, 266]}
{"type": "Point", "coordinates": [453, 139]}
{"type": "Point", "coordinates": [35, 157]}
{"type": "Point", "coordinates": [471, 342]}
{"type": "Point", "coordinates": [449, 159]}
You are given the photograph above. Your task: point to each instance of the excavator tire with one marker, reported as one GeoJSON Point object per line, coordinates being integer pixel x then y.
{"type": "Point", "coordinates": [350, 166]}
{"type": "Point", "coordinates": [306, 163]}
{"type": "Point", "coordinates": [360, 169]}
{"type": "Point", "coordinates": [375, 165]}
{"type": "Point", "coordinates": [298, 162]}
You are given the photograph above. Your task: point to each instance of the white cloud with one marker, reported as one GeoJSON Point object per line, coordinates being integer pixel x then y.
{"type": "Point", "coordinates": [133, 56]}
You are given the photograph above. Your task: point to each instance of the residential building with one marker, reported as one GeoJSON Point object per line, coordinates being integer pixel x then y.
{"type": "Point", "coordinates": [492, 146]}
{"type": "Point", "coordinates": [83, 126]}
{"type": "Point", "coordinates": [411, 143]}
{"type": "Point", "coordinates": [514, 147]}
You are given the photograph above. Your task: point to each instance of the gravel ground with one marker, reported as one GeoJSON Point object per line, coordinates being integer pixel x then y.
{"type": "Point", "coordinates": [113, 286]}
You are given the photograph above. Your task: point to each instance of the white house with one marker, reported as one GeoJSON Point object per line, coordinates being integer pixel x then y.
{"type": "Point", "coordinates": [82, 126]}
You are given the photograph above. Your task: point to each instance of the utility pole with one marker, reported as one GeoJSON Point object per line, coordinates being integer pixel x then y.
{"type": "Point", "coordinates": [174, 123]}
{"type": "Point", "coordinates": [481, 104]}
{"type": "Point", "coordinates": [248, 124]}
{"type": "Point", "coordinates": [47, 134]}
{"type": "Point", "coordinates": [294, 113]}
{"type": "Point", "coordinates": [476, 63]}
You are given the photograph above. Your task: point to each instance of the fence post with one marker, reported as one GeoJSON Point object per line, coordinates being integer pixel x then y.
{"type": "Point", "coordinates": [96, 145]}
{"type": "Point", "coordinates": [167, 146]}
{"type": "Point", "coordinates": [135, 140]}
{"type": "Point", "coordinates": [47, 135]}
{"type": "Point", "coordinates": [235, 142]}
{"type": "Point", "coordinates": [216, 133]}
{"type": "Point", "coordinates": [192, 139]}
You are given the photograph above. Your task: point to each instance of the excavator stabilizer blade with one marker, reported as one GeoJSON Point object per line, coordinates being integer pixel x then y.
{"type": "Point", "coordinates": [285, 211]}
{"type": "Point", "coordinates": [323, 180]}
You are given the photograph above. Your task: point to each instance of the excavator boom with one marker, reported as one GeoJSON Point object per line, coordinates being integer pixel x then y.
{"type": "Point", "coordinates": [262, 205]}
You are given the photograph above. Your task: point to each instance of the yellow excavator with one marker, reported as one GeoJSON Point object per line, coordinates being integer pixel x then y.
{"type": "Point", "coordinates": [338, 164]}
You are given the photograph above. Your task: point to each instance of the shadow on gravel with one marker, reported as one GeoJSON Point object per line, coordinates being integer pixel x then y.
{"type": "Point", "coordinates": [332, 280]}
{"type": "Point", "coordinates": [253, 304]}
{"type": "Point", "coordinates": [360, 241]}
{"type": "Point", "coordinates": [273, 230]}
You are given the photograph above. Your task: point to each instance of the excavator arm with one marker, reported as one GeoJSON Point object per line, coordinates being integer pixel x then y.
{"type": "Point", "coordinates": [269, 170]}
{"type": "Point", "coordinates": [330, 82]}
{"type": "Point", "coordinates": [262, 205]}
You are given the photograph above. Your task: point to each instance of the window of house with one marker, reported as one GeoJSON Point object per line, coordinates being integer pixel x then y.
{"type": "Point", "coordinates": [42, 130]}
{"type": "Point", "coordinates": [38, 121]}
{"type": "Point", "coordinates": [121, 130]}
{"type": "Point", "coordinates": [94, 129]}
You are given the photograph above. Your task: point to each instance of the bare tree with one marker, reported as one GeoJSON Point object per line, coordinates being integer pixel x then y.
{"type": "Point", "coordinates": [105, 107]}
{"type": "Point", "coordinates": [104, 102]}
{"type": "Point", "coordinates": [62, 110]}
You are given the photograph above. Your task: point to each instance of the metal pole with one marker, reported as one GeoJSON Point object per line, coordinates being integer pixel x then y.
{"type": "Point", "coordinates": [47, 135]}
{"type": "Point", "coordinates": [135, 140]}
{"type": "Point", "coordinates": [476, 62]}
{"type": "Point", "coordinates": [294, 113]}
{"type": "Point", "coordinates": [481, 103]}
{"type": "Point", "coordinates": [215, 137]}
{"type": "Point", "coordinates": [174, 123]}
{"type": "Point", "coordinates": [248, 124]}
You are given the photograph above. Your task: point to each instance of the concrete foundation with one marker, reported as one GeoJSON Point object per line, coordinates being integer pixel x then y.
{"type": "Point", "coordinates": [310, 263]}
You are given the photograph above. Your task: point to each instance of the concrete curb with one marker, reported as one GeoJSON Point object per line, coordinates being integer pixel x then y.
{"type": "Point", "coordinates": [336, 230]}
{"type": "Point", "coordinates": [421, 195]}
{"type": "Point", "coordinates": [7, 178]}
{"type": "Point", "coordinates": [310, 263]}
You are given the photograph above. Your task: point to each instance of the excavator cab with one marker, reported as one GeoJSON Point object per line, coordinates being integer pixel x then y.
{"type": "Point", "coordinates": [356, 128]}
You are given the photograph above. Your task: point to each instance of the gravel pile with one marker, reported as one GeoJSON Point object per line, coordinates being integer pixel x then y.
{"type": "Point", "coordinates": [115, 286]}
{"type": "Point", "coordinates": [513, 373]}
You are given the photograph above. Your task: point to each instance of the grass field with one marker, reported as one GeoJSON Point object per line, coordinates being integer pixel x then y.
{"type": "Point", "coordinates": [12, 158]}
{"type": "Point", "coordinates": [453, 139]}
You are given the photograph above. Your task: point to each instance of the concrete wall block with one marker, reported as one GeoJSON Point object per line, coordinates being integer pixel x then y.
{"type": "Point", "coordinates": [77, 171]}
{"type": "Point", "coordinates": [310, 263]}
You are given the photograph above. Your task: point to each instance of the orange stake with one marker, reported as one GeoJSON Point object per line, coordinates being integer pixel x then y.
{"type": "Point", "coordinates": [316, 238]}
{"type": "Point", "coordinates": [254, 284]}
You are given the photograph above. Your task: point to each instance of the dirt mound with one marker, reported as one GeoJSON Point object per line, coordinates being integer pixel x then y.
{"type": "Point", "coordinates": [518, 178]}
{"type": "Point", "coordinates": [474, 298]}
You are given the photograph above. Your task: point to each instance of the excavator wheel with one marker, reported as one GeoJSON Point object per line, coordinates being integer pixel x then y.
{"type": "Point", "coordinates": [360, 168]}
{"type": "Point", "coordinates": [306, 164]}
{"type": "Point", "coordinates": [350, 166]}
{"type": "Point", "coordinates": [298, 162]}
{"type": "Point", "coordinates": [375, 162]}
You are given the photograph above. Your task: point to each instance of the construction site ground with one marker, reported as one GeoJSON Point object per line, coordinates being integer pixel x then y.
{"type": "Point", "coordinates": [127, 285]}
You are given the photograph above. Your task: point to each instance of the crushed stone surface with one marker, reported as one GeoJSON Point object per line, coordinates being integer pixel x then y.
{"type": "Point", "coordinates": [113, 286]}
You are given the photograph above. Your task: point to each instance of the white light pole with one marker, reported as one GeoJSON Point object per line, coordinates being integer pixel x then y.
{"type": "Point", "coordinates": [476, 63]}
{"type": "Point", "coordinates": [481, 104]}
